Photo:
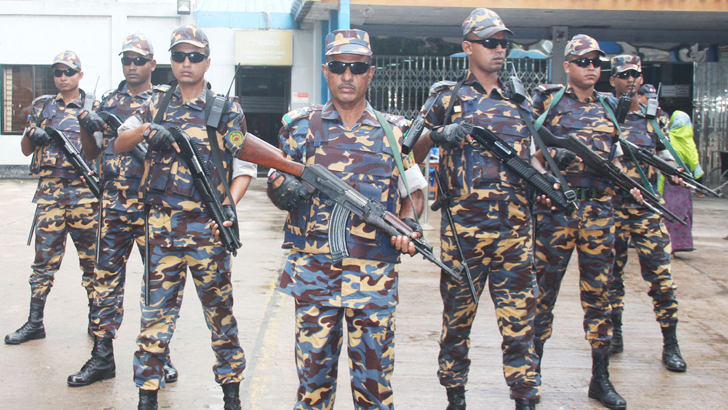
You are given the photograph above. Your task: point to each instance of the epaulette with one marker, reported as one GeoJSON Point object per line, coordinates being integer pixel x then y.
{"type": "Point", "coordinates": [295, 115]}
{"type": "Point", "coordinates": [41, 100]}
{"type": "Point", "coordinates": [441, 86]}
{"type": "Point", "coordinates": [160, 88]}
{"type": "Point", "coordinates": [107, 94]}
{"type": "Point", "coordinates": [548, 88]}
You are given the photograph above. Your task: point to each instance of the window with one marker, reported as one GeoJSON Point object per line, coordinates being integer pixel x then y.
{"type": "Point", "coordinates": [21, 84]}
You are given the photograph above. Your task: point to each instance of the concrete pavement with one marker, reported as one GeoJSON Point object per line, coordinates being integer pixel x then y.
{"type": "Point", "coordinates": [33, 375]}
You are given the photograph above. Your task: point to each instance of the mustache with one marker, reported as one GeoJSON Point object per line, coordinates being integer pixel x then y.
{"type": "Point", "coordinates": [346, 84]}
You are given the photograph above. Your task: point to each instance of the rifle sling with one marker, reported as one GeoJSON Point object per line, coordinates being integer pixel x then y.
{"type": "Point", "coordinates": [453, 96]}
{"type": "Point", "coordinates": [565, 188]}
{"type": "Point", "coordinates": [397, 156]}
{"type": "Point", "coordinates": [612, 117]}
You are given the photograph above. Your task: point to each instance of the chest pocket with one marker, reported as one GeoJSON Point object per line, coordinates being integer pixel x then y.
{"type": "Point", "coordinates": [365, 164]}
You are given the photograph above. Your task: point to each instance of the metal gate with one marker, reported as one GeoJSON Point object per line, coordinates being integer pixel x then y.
{"type": "Point", "coordinates": [401, 84]}
{"type": "Point", "coordinates": [710, 117]}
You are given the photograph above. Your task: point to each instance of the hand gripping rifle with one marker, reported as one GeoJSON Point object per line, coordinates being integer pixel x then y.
{"type": "Point", "coordinates": [443, 202]}
{"type": "Point", "coordinates": [607, 169]}
{"type": "Point", "coordinates": [666, 168]}
{"type": "Point", "coordinates": [346, 199]}
{"type": "Point", "coordinates": [201, 179]}
{"type": "Point", "coordinates": [510, 158]}
{"type": "Point", "coordinates": [74, 157]}
{"type": "Point", "coordinates": [139, 151]}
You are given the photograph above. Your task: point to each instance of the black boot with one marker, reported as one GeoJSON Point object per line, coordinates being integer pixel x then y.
{"type": "Point", "coordinates": [525, 404]}
{"type": "Point", "coordinates": [170, 372]}
{"type": "Point", "coordinates": [617, 345]}
{"type": "Point", "coordinates": [600, 387]}
{"type": "Point", "coordinates": [231, 396]}
{"type": "Point", "coordinates": [100, 366]}
{"type": "Point", "coordinates": [456, 398]}
{"type": "Point", "coordinates": [671, 356]}
{"type": "Point", "coordinates": [147, 400]}
{"type": "Point", "coordinates": [33, 328]}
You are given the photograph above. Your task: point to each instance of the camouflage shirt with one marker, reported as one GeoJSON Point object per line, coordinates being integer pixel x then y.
{"type": "Point", "coordinates": [638, 130]}
{"type": "Point", "coordinates": [474, 173]}
{"type": "Point", "coordinates": [167, 181]}
{"type": "Point", "coordinates": [363, 158]}
{"type": "Point", "coordinates": [121, 173]}
{"type": "Point", "coordinates": [59, 182]}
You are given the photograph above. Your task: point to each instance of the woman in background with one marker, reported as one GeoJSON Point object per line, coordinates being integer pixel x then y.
{"type": "Point", "coordinates": [678, 199]}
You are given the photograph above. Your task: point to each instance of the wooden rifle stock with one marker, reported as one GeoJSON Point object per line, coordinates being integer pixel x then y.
{"type": "Point", "coordinates": [260, 152]}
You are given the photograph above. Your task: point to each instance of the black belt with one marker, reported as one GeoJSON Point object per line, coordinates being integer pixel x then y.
{"type": "Point", "coordinates": [587, 193]}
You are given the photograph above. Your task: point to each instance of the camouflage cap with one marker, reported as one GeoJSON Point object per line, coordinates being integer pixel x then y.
{"type": "Point", "coordinates": [582, 44]}
{"type": "Point", "coordinates": [190, 34]}
{"type": "Point", "coordinates": [68, 58]}
{"type": "Point", "coordinates": [137, 43]}
{"type": "Point", "coordinates": [348, 42]}
{"type": "Point", "coordinates": [484, 23]}
{"type": "Point", "coordinates": [624, 62]}
{"type": "Point", "coordinates": [648, 90]}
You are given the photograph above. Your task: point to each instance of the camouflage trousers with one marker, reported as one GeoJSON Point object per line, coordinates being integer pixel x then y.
{"type": "Point", "coordinates": [554, 247]}
{"type": "Point", "coordinates": [54, 223]}
{"type": "Point", "coordinates": [319, 336]}
{"type": "Point", "coordinates": [652, 242]}
{"type": "Point", "coordinates": [180, 241]}
{"type": "Point", "coordinates": [500, 254]}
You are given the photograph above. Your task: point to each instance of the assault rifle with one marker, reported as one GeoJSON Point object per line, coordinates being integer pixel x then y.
{"type": "Point", "coordinates": [347, 200]}
{"type": "Point", "coordinates": [510, 158]}
{"type": "Point", "coordinates": [201, 178]}
{"type": "Point", "coordinates": [139, 151]}
{"type": "Point", "coordinates": [607, 169]}
{"type": "Point", "coordinates": [666, 168]}
{"type": "Point", "coordinates": [74, 157]}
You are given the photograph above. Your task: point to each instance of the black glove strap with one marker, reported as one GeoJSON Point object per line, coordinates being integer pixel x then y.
{"type": "Point", "coordinates": [565, 188]}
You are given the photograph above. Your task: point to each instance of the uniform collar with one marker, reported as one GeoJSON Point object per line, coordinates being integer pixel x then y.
{"type": "Point", "coordinates": [329, 112]}
{"type": "Point", "coordinates": [78, 102]}
{"type": "Point", "coordinates": [472, 81]}
{"type": "Point", "coordinates": [196, 104]}
{"type": "Point", "coordinates": [570, 91]}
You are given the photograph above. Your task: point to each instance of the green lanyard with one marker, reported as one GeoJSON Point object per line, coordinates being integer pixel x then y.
{"type": "Point", "coordinates": [665, 141]}
{"type": "Point", "coordinates": [397, 156]}
{"type": "Point", "coordinates": [554, 101]}
{"type": "Point", "coordinates": [645, 181]}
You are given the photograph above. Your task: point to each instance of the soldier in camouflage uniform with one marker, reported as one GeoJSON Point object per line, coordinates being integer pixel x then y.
{"type": "Point", "coordinates": [491, 212]}
{"type": "Point", "coordinates": [65, 204]}
{"type": "Point", "coordinates": [643, 226]}
{"type": "Point", "coordinates": [180, 231]}
{"type": "Point", "coordinates": [578, 111]}
{"type": "Point", "coordinates": [359, 292]}
{"type": "Point", "coordinates": [122, 211]}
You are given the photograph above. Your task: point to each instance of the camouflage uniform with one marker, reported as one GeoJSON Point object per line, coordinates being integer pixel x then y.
{"type": "Point", "coordinates": [493, 220]}
{"type": "Point", "coordinates": [65, 204]}
{"type": "Point", "coordinates": [362, 288]}
{"type": "Point", "coordinates": [590, 228]}
{"type": "Point", "coordinates": [181, 236]}
{"type": "Point", "coordinates": [646, 228]}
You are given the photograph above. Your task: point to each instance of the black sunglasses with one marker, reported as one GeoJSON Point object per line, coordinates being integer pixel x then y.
{"type": "Point", "coordinates": [138, 61]}
{"type": "Point", "coordinates": [69, 72]}
{"type": "Point", "coordinates": [492, 43]}
{"type": "Point", "coordinates": [626, 74]}
{"type": "Point", "coordinates": [339, 67]}
{"type": "Point", "coordinates": [195, 57]}
{"type": "Point", "coordinates": [584, 62]}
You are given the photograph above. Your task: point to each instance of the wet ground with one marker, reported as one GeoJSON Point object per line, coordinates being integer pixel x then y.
{"type": "Point", "coordinates": [33, 375]}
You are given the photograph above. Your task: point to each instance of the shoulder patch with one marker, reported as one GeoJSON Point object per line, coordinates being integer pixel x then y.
{"type": "Point", "coordinates": [441, 86]}
{"type": "Point", "coordinates": [548, 88]}
{"type": "Point", "coordinates": [295, 115]}
{"type": "Point", "coordinates": [237, 138]}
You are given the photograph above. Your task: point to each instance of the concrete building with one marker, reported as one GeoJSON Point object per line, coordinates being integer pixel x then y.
{"type": "Point", "coordinates": [277, 45]}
